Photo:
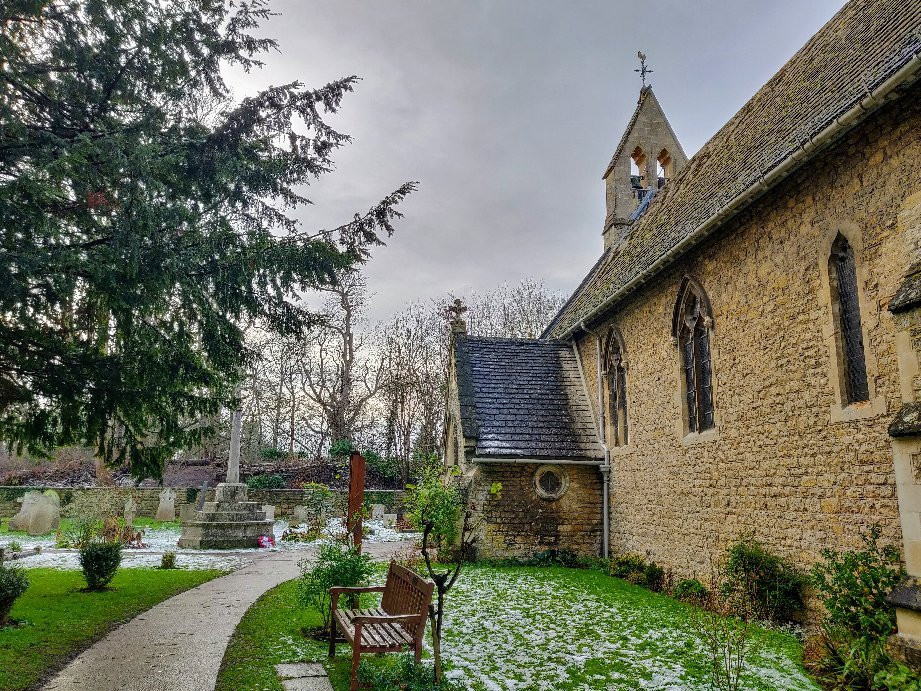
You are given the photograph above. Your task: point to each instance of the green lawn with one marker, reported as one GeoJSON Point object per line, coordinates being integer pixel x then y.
{"type": "Point", "coordinates": [59, 621]}
{"type": "Point", "coordinates": [139, 522]}
{"type": "Point", "coordinates": [529, 628]}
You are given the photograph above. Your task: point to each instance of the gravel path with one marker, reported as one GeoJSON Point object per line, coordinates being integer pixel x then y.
{"type": "Point", "coordinates": [179, 644]}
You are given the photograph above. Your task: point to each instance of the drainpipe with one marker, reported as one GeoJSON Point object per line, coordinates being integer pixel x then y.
{"type": "Point", "coordinates": [605, 468]}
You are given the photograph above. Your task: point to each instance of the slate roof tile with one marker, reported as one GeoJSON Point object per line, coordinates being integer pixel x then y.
{"type": "Point", "coordinates": [523, 398]}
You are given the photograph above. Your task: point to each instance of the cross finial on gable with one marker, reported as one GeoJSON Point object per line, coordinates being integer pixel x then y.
{"type": "Point", "coordinates": [454, 313]}
{"type": "Point", "coordinates": [643, 70]}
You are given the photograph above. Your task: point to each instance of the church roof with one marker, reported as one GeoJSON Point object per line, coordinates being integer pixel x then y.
{"type": "Point", "coordinates": [523, 399]}
{"type": "Point", "coordinates": [865, 44]}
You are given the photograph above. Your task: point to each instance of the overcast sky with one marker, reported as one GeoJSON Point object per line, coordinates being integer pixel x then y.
{"type": "Point", "coordinates": [507, 113]}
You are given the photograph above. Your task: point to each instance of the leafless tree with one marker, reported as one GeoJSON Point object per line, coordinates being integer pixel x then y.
{"type": "Point", "coordinates": [338, 375]}
{"type": "Point", "coordinates": [517, 311]}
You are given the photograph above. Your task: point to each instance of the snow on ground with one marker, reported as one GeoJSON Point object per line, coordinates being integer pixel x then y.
{"type": "Point", "coordinates": [534, 630]}
{"type": "Point", "coordinates": [160, 540]}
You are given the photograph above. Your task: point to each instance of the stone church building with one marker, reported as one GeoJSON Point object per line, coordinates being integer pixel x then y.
{"type": "Point", "coordinates": [743, 358]}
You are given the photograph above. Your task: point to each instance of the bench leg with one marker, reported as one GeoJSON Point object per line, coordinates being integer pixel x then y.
{"type": "Point", "coordinates": [356, 657]}
{"type": "Point", "coordinates": [332, 637]}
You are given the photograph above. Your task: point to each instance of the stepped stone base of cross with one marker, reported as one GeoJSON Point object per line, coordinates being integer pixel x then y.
{"type": "Point", "coordinates": [227, 522]}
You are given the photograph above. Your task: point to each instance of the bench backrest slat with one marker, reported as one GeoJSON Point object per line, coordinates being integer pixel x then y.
{"type": "Point", "coordinates": [406, 592]}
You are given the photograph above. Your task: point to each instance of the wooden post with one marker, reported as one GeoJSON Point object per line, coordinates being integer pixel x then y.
{"type": "Point", "coordinates": [356, 497]}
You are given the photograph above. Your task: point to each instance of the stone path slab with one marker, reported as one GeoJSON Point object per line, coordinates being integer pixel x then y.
{"type": "Point", "coordinates": [303, 676]}
{"type": "Point", "coordinates": [178, 645]}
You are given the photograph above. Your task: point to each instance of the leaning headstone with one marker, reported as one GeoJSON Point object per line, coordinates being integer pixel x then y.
{"type": "Point", "coordinates": [378, 511]}
{"type": "Point", "coordinates": [389, 519]}
{"type": "Point", "coordinates": [166, 511]}
{"type": "Point", "coordinates": [40, 513]}
{"type": "Point", "coordinates": [200, 504]}
{"type": "Point", "coordinates": [269, 512]}
{"type": "Point", "coordinates": [131, 510]}
{"type": "Point", "coordinates": [300, 514]}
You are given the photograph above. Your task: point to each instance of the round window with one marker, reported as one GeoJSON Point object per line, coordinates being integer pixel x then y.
{"type": "Point", "coordinates": [550, 481]}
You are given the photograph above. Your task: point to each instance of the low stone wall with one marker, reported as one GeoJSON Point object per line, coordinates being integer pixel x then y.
{"type": "Point", "coordinates": [147, 499]}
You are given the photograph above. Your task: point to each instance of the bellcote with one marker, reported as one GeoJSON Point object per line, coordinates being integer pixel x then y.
{"type": "Point", "coordinates": [648, 155]}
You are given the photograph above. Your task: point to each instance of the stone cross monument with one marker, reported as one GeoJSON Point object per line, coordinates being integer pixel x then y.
{"type": "Point", "coordinates": [230, 520]}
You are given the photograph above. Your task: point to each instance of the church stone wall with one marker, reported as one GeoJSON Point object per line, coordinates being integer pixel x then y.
{"type": "Point", "coordinates": [519, 523]}
{"type": "Point", "coordinates": [786, 463]}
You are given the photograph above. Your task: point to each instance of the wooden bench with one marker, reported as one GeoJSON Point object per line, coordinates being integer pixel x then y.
{"type": "Point", "coordinates": [397, 624]}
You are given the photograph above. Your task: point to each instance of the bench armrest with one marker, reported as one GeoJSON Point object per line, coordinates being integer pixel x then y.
{"type": "Point", "coordinates": [338, 590]}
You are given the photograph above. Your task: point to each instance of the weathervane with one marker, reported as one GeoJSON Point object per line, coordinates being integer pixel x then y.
{"type": "Point", "coordinates": [643, 70]}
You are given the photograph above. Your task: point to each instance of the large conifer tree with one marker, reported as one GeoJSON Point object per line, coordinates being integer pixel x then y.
{"type": "Point", "coordinates": [144, 217]}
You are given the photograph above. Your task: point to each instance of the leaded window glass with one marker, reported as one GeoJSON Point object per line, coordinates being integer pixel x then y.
{"type": "Point", "coordinates": [843, 273]}
{"type": "Point", "coordinates": [617, 391]}
{"type": "Point", "coordinates": [693, 326]}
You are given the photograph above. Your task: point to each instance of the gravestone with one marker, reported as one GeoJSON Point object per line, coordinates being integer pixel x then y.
{"type": "Point", "coordinates": [40, 513]}
{"type": "Point", "coordinates": [166, 511]}
{"type": "Point", "coordinates": [187, 512]}
{"type": "Point", "coordinates": [131, 510]}
{"type": "Point", "coordinates": [200, 502]}
{"type": "Point", "coordinates": [300, 515]}
{"type": "Point", "coordinates": [269, 512]}
{"type": "Point", "coordinates": [378, 511]}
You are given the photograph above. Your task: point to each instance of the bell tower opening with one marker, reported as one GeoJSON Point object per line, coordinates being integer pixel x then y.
{"type": "Point", "coordinates": [648, 156]}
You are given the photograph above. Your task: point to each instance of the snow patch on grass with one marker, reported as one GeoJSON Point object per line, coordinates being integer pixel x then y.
{"type": "Point", "coordinates": [520, 628]}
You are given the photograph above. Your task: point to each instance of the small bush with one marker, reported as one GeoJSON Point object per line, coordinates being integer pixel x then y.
{"type": "Point", "coordinates": [634, 569]}
{"type": "Point", "coordinates": [556, 557]}
{"type": "Point", "coordinates": [853, 587]}
{"type": "Point", "coordinates": [168, 560]}
{"type": "Point", "coordinates": [79, 533]}
{"type": "Point", "coordinates": [15, 546]}
{"type": "Point", "coordinates": [434, 500]}
{"type": "Point", "coordinates": [191, 495]}
{"type": "Point", "coordinates": [269, 453]}
{"type": "Point", "coordinates": [336, 565]}
{"type": "Point", "coordinates": [13, 583]}
{"type": "Point", "coordinates": [100, 561]}
{"type": "Point", "coordinates": [690, 590]}
{"type": "Point", "coordinates": [401, 674]}
{"type": "Point", "coordinates": [265, 481]}
{"type": "Point", "coordinates": [770, 586]}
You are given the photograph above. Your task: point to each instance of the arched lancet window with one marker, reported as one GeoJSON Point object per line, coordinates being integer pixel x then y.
{"type": "Point", "coordinates": [615, 372]}
{"type": "Point", "coordinates": [842, 274]}
{"type": "Point", "coordinates": [691, 325]}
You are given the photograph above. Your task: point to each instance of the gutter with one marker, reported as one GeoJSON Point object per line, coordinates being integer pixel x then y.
{"type": "Point", "coordinates": [604, 468]}
{"type": "Point", "coordinates": [840, 125]}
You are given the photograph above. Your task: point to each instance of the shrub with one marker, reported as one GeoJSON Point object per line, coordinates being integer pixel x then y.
{"type": "Point", "coordinates": [387, 468]}
{"type": "Point", "coordinates": [79, 533]}
{"type": "Point", "coordinates": [15, 546]}
{"type": "Point", "coordinates": [100, 561]}
{"type": "Point", "coordinates": [168, 560]}
{"type": "Point", "coordinates": [401, 674]}
{"type": "Point", "coordinates": [557, 557]}
{"type": "Point", "coordinates": [191, 495]}
{"type": "Point", "coordinates": [690, 590]}
{"type": "Point", "coordinates": [265, 481]}
{"type": "Point", "coordinates": [433, 500]}
{"type": "Point", "coordinates": [767, 584]}
{"type": "Point", "coordinates": [853, 587]}
{"type": "Point", "coordinates": [634, 569]}
{"type": "Point", "coordinates": [270, 453]}
{"type": "Point", "coordinates": [336, 565]}
{"type": "Point", "coordinates": [13, 583]}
